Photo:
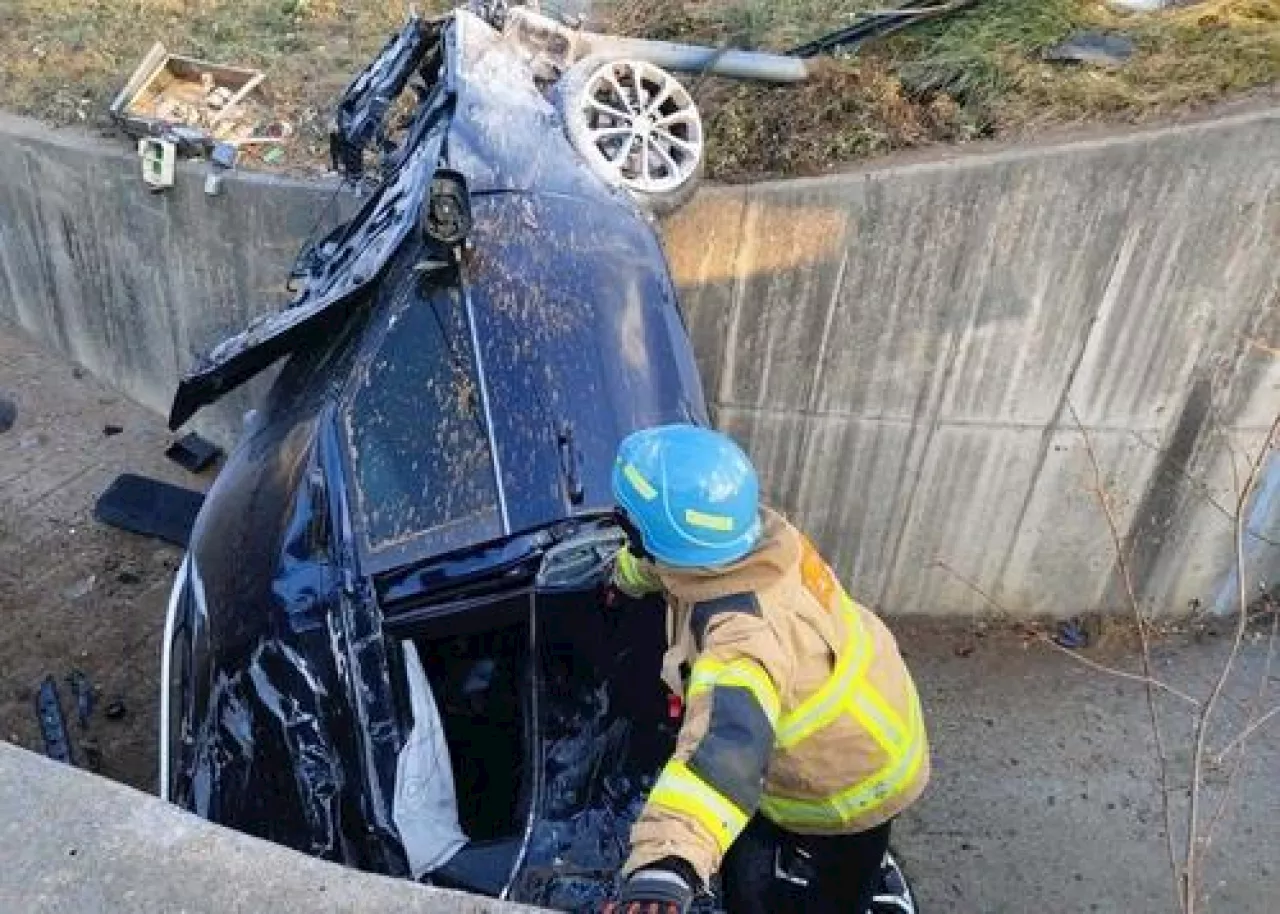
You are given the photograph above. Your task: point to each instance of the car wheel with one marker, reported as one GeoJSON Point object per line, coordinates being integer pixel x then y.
{"type": "Point", "coordinates": [636, 127]}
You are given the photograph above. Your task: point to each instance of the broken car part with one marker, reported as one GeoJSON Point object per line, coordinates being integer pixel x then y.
{"type": "Point", "coordinates": [149, 507]}
{"type": "Point", "coordinates": [159, 159]}
{"type": "Point", "coordinates": [82, 689]}
{"type": "Point", "coordinates": [53, 725]}
{"type": "Point", "coordinates": [193, 453]}
{"type": "Point", "coordinates": [873, 24]}
{"type": "Point", "coordinates": [447, 218]}
{"type": "Point", "coordinates": [636, 127]}
{"type": "Point", "coordinates": [1096, 48]}
{"type": "Point", "coordinates": [544, 38]}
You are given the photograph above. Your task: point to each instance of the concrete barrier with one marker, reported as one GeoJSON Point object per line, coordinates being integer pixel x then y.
{"type": "Point", "coordinates": [78, 844]}
{"type": "Point", "coordinates": [905, 350]}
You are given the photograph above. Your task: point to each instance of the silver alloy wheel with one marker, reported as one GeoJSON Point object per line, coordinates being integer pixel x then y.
{"type": "Point", "coordinates": [642, 127]}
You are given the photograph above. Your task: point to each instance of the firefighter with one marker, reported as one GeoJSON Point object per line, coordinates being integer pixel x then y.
{"type": "Point", "coordinates": [802, 735]}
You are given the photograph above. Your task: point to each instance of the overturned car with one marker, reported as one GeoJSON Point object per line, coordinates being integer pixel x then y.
{"type": "Point", "coordinates": [385, 645]}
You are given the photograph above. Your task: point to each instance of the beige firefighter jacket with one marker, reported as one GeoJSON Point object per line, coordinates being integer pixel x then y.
{"type": "Point", "coordinates": [797, 705]}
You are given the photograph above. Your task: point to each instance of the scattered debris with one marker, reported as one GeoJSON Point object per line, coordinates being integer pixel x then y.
{"type": "Point", "coordinates": [111, 429]}
{"type": "Point", "coordinates": [116, 710]}
{"type": "Point", "coordinates": [53, 725]}
{"type": "Point", "coordinates": [128, 578]}
{"type": "Point", "coordinates": [873, 24]}
{"type": "Point", "coordinates": [149, 507]}
{"type": "Point", "coordinates": [82, 689]}
{"type": "Point", "coordinates": [193, 453]}
{"type": "Point", "coordinates": [8, 414]}
{"type": "Point", "coordinates": [1096, 48]}
{"type": "Point", "coordinates": [159, 159]}
{"type": "Point", "coordinates": [273, 156]}
{"type": "Point", "coordinates": [191, 102]}
{"type": "Point", "coordinates": [1071, 635]}
{"type": "Point", "coordinates": [221, 160]}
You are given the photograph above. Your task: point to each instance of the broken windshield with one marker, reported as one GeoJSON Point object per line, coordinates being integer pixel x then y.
{"type": "Point", "coordinates": [415, 426]}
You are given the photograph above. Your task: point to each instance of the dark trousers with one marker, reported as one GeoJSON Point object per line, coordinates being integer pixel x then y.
{"type": "Point", "coordinates": [765, 868]}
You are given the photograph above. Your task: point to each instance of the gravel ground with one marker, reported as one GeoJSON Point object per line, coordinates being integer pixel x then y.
{"type": "Point", "coordinates": [1045, 795]}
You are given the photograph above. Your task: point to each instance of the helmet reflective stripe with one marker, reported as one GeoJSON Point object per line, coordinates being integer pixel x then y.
{"type": "Point", "coordinates": [691, 493]}
{"type": "Point", "coordinates": [642, 486]}
{"type": "Point", "coordinates": [708, 521]}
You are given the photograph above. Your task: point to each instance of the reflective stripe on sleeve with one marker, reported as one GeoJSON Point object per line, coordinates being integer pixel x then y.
{"type": "Point", "coordinates": [631, 576]}
{"type": "Point", "coordinates": [680, 790]}
{"type": "Point", "coordinates": [743, 674]}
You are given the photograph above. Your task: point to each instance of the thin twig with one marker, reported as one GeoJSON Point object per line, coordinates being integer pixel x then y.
{"type": "Point", "coordinates": [1248, 732]}
{"type": "Point", "coordinates": [1077, 657]}
{"type": "Point", "coordinates": [1254, 722]}
{"type": "Point", "coordinates": [1123, 565]}
{"type": "Point", "coordinates": [1201, 486]}
{"type": "Point", "coordinates": [1112, 671]}
{"type": "Point", "coordinates": [1242, 622]}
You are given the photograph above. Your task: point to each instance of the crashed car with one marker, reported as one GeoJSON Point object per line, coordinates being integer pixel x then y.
{"type": "Point", "coordinates": [385, 645]}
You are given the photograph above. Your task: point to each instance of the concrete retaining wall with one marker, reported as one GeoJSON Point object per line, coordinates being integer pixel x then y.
{"type": "Point", "coordinates": [78, 844]}
{"type": "Point", "coordinates": [904, 349]}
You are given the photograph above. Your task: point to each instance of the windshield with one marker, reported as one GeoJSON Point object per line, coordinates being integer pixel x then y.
{"type": "Point", "coordinates": [416, 430]}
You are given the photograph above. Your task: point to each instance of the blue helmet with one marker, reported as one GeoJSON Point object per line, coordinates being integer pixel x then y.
{"type": "Point", "coordinates": [691, 493]}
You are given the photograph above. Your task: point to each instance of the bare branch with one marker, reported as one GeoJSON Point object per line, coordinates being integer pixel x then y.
{"type": "Point", "coordinates": [1112, 671]}
{"type": "Point", "coordinates": [1254, 723]}
{"type": "Point", "coordinates": [1078, 658]}
{"type": "Point", "coordinates": [1247, 732]}
{"type": "Point", "coordinates": [1242, 622]}
{"type": "Point", "coordinates": [1122, 563]}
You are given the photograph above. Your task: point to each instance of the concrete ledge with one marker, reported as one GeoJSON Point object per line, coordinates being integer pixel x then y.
{"type": "Point", "coordinates": [78, 844]}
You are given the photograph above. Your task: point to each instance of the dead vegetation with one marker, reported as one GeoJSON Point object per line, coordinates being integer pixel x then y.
{"type": "Point", "coordinates": [977, 73]}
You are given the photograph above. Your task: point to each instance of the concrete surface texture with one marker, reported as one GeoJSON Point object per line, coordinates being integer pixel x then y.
{"type": "Point", "coordinates": [904, 349]}
{"type": "Point", "coordinates": [75, 844]}
{"type": "Point", "coordinates": [135, 285]}
{"type": "Point", "coordinates": [1045, 796]}
{"type": "Point", "coordinates": [75, 595]}
{"type": "Point", "coordinates": [906, 352]}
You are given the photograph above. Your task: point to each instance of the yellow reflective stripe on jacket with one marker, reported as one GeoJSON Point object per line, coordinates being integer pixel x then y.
{"type": "Point", "coordinates": [632, 577]}
{"type": "Point", "coordinates": [841, 808]}
{"type": "Point", "coordinates": [830, 701]}
{"type": "Point", "coordinates": [746, 674]}
{"type": "Point", "coordinates": [680, 790]}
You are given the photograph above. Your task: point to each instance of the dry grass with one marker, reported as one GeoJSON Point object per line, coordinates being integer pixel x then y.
{"type": "Point", "coordinates": [64, 61]}
{"type": "Point", "coordinates": [973, 74]}
{"type": "Point", "coordinates": [977, 73]}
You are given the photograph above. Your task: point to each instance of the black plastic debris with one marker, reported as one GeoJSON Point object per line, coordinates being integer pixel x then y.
{"type": "Point", "coordinates": [193, 453]}
{"type": "Point", "coordinates": [82, 689]}
{"type": "Point", "coordinates": [116, 710]}
{"type": "Point", "coordinates": [8, 414]}
{"type": "Point", "coordinates": [111, 429]}
{"type": "Point", "coordinates": [873, 24]}
{"type": "Point", "coordinates": [53, 725]}
{"type": "Point", "coordinates": [1071, 635]}
{"type": "Point", "coordinates": [1095, 48]}
{"type": "Point", "coordinates": [149, 507]}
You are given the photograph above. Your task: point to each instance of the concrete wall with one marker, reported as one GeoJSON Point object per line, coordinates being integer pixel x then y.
{"type": "Point", "coordinates": [78, 844]}
{"type": "Point", "coordinates": [901, 348]}
{"type": "Point", "coordinates": [135, 285]}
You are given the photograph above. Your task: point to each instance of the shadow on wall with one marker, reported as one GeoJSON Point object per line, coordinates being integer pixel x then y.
{"type": "Point", "coordinates": [902, 351]}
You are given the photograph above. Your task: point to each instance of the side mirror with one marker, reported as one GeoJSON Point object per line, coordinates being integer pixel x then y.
{"type": "Point", "coordinates": [446, 218]}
